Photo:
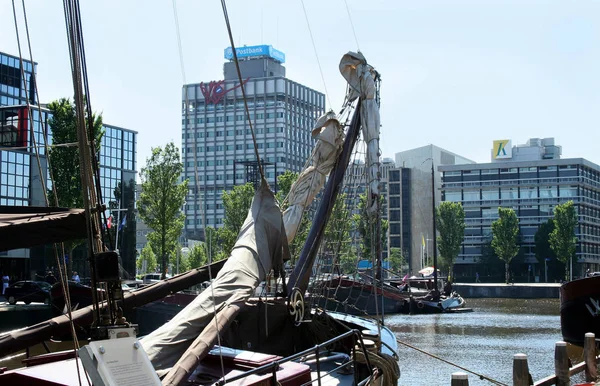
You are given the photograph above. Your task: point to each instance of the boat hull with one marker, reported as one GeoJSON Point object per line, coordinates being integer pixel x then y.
{"type": "Point", "coordinates": [580, 309]}
{"type": "Point", "coordinates": [358, 298]}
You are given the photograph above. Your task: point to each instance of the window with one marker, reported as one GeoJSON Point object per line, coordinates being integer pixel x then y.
{"type": "Point", "coordinates": [548, 192]}
{"type": "Point", "coordinates": [529, 193]}
{"type": "Point", "coordinates": [453, 196]}
{"type": "Point", "coordinates": [470, 195]}
{"type": "Point", "coordinates": [490, 194]}
{"type": "Point", "coordinates": [509, 193]}
{"type": "Point", "coordinates": [568, 191]}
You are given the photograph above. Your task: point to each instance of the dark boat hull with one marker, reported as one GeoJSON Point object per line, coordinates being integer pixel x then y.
{"type": "Point", "coordinates": [358, 298]}
{"type": "Point", "coordinates": [579, 309]}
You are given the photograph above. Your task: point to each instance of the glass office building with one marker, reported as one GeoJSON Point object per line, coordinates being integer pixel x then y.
{"type": "Point", "coordinates": [21, 176]}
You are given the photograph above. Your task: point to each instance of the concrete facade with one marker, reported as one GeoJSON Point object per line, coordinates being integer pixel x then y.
{"type": "Point", "coordinates": [411, 218]}
{"type": "Point", "coordinates": [217, 141]}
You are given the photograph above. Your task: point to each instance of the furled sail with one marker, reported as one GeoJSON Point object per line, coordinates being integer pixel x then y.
{"type": "Point", "coordinates": [361, 79]}
{"type": "Point", "coordinates": [329, 135]}
{"type": "Point", "coordinates": [28, 226]}
{"type": "Point", "coordinates": [261, 246]}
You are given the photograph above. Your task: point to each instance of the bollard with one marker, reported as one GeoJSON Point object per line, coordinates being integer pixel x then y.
{"type": "Point", "coordinates": [460, 379]}
{"type": "Point", "coordinates": [520, 370]}
{"type": "Point", "coordinates": [561, 364]}
{"type": "Point", "coordinates": [589, 354]}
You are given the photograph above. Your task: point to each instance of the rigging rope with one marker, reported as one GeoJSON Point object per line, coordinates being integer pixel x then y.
{"type": "Point", "coordinates": [312, 39]}
{"type": "Point", "coordinates": [243, 88]}
{"type": "Point", "coordinates": [352, 25]}
{"type": "Point", "coordinates": [196, 181]}
{"type": "Point", "coordinates": [62, 274]}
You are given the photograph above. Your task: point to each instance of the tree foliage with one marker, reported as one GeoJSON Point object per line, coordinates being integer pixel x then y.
{"type": "Point", "coordinates": [197, 256]}
{"type": "Point", "coordinates": [505, 235]}
{"type": "Point", "coordinates": [562, 238]}
{"type": "Point", "coordinates": [450, 222]}
{"type": "Point", "coordinates": [337, 240]}
{"type": "Point", "coordinates": [362, 222]}
{"type": "Point", "coordinates": [161, 200]}
{"type": "Point", "coordinates": [148, 258]}
{"type": "Point", "coordinates": [542, 241]}
{"type": "Point", "coordinates": [64, 160]}
{"type": "Point", "coordinates": [284, 184]}
{"type": "Point", "coordinates": [236, 204]}
{"type": "Point", "coordinates": [396, 259]}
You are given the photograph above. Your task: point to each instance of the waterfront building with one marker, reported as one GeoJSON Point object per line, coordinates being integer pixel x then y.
{"type": "Point", "coordinates": [21, 178]}
{"type": "Point", "coordinates": [531, 179]}
{"type": "Point", "coordinates": [410, 201]}
{"type": "Point", "coordinates": [216, 137]}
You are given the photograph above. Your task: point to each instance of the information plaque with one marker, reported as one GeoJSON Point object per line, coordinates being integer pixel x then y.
{"type": "Point", "coordinates": [121, 362]}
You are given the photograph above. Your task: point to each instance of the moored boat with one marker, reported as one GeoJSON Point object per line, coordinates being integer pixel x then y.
{"type": "Point", "coordinates": [580, 309]}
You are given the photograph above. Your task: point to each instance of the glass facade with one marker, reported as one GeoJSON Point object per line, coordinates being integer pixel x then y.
{"type": "Point", "coordinates": [14, 89]}
{"type": "Point", "coordinates": [532, 189]}
{"type": "Point", "coordinates": [20, 175]}
{"type": "Point", "coordinates": [216, 139]}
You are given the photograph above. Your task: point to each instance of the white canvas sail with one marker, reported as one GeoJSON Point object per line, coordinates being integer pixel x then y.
{"type": "Point", "coordinates": [329, 135]}
{"type": "Point", "coordinates": [259, 248]}
{"type": "Point", "coordinates": [361, 79]}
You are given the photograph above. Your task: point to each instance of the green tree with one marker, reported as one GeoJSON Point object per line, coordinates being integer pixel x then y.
{"type": "Point", "coordinates": [147, 258]}
{"type": "Point", "coordinates": [236, 204]}
{"type": "Point", "coordinates": [284, 184]}
{"type": "Point", "coordinates": [450, 222]}
{"type": "Point", "coordinates": [505, 235]}
{"type": "Point", "coordinates": [219, 243]}
{"type": "Point", "coordinates": [543, 251]}
{"type": "Point", "coordinates": [161, 200]}
{"type": "Point", "coordinates": [337, 240]}
{"type": "Point", "coordinates": [562, 239]}
{"type": "Point", "coordinates": [64, 160]}
{"type": "Point", "coordinates": [397, 260]}
{"type": "Point", "coordinates": [197, 256]}
{"type": "Point", "coordinates": [348, 262]}
{"type": "Point", "coordinates": [362, 222]}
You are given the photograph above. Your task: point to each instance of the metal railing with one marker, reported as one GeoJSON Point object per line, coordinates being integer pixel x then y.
{"type": "Point", "coordinates": [316, 350]}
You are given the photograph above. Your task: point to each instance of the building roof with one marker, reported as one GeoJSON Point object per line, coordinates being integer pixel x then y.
{"type": "Point", "coordinates": [516, 164]}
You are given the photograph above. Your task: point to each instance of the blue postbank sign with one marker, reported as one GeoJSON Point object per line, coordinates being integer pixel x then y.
{"type": "Point", "coordinates": [250, 51]}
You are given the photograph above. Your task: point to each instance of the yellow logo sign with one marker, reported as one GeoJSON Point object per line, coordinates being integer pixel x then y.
{"type": "Point", "coordinates": [502, 149]}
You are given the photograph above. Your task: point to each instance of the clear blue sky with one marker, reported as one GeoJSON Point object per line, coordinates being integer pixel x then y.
{"type": "Point", "coordinates": [457, 74]}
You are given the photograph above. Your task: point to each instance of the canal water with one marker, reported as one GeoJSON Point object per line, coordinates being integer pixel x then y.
{"type": "Point", "coordinates": [483, 341]}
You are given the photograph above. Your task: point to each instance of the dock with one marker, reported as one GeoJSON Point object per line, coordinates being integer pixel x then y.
{"type": "Point", "coordinates": [511, 291]}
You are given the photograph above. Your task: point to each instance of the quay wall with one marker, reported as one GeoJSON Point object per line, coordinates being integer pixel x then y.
{"type": "Point", "coordinates": [511, 291]}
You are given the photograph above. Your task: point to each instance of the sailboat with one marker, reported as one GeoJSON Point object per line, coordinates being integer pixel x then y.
{"type": "Point", "coordinates": [373, 294]}
{"type": "Point", "coordinates": [225, 334]}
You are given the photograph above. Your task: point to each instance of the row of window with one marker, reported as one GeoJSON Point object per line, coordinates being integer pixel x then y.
{"type": "Point", "coordinates": [222, 177]}
{"type": "Point", "coordinates": [512, 193]}
{"type": "Point", "coordinates": [231, 118]}
{"type": "Point", "coordinates": [231, 133]}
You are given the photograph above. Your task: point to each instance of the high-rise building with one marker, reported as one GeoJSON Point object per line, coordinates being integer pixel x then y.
{"type": "Point", "coordinates": [410, 201]}
{"type": "Point", "coordinates": [21, 177]}
{"type": "Point", "coordinates": [216, 136]}
{"type": "Point", "coordinates": [531, 179]}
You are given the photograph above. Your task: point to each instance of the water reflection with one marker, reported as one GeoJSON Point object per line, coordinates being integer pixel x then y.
{"type": "Point", "coordinates": [483, 341]}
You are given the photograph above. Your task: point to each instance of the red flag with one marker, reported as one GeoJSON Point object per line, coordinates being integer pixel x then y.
{"type": "Point", "coordinates": [109, 222]}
